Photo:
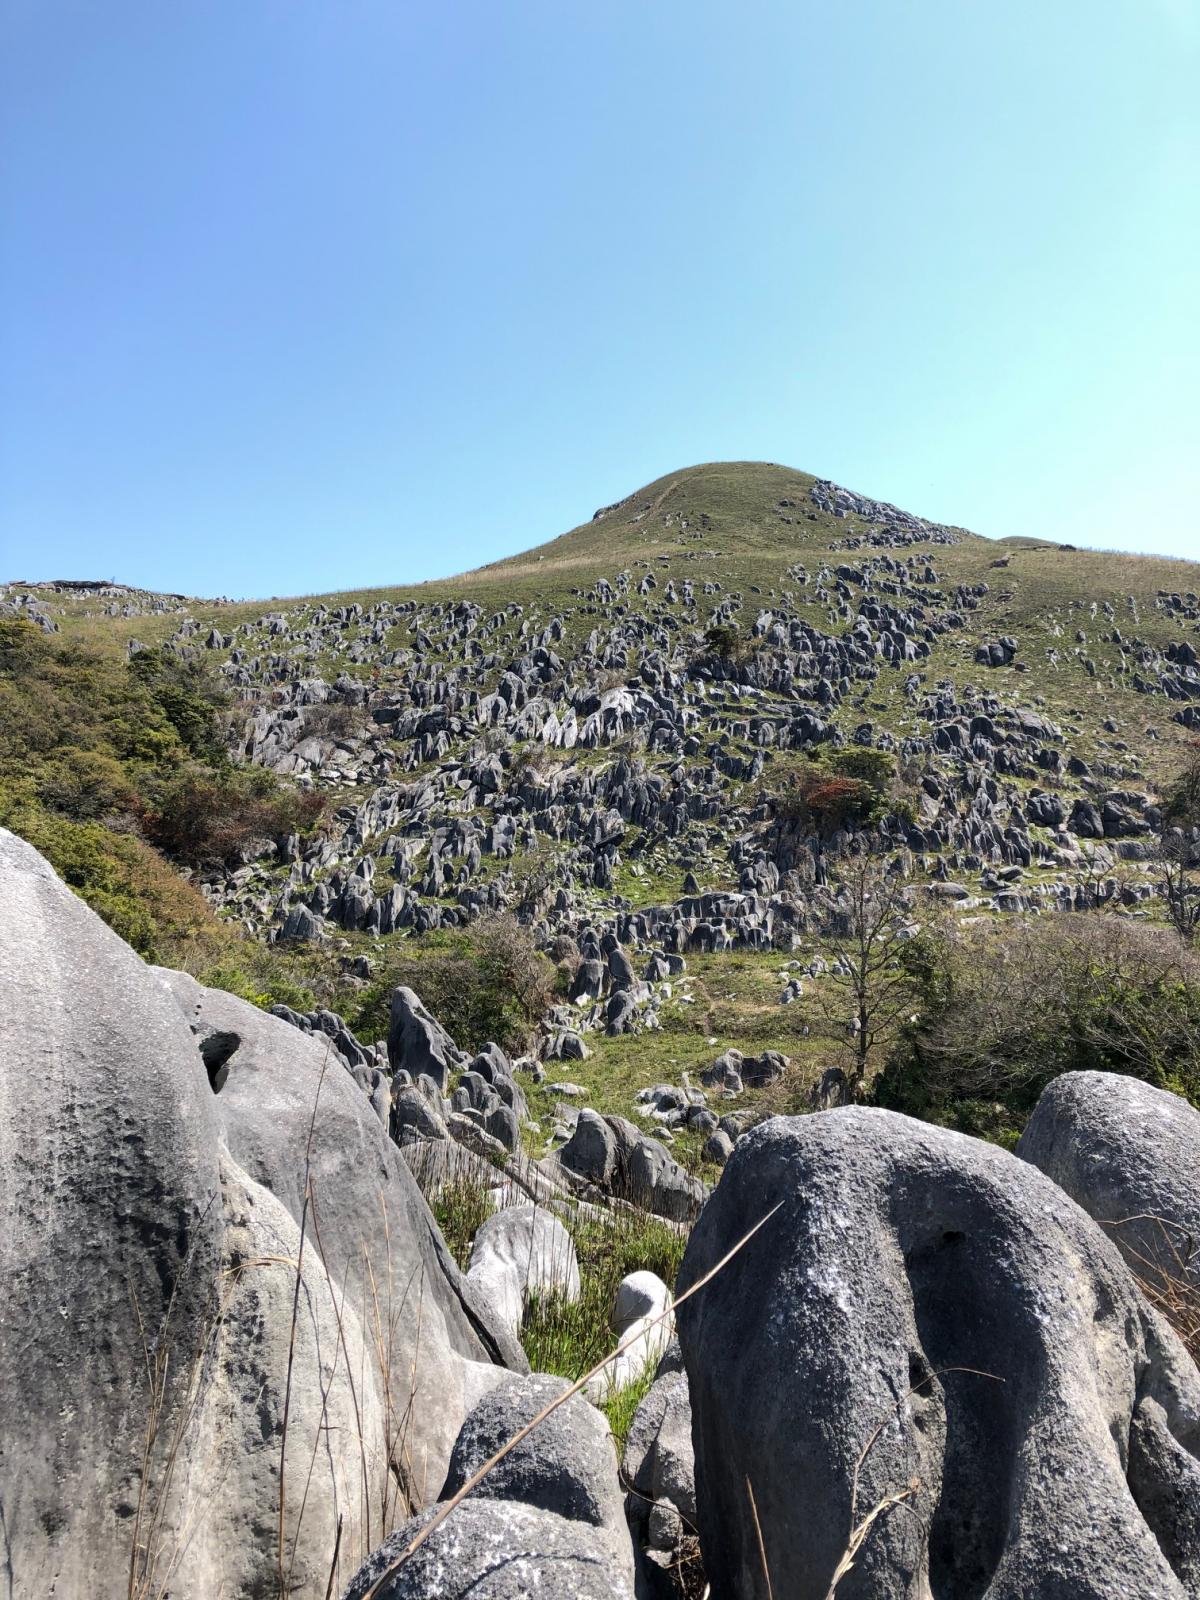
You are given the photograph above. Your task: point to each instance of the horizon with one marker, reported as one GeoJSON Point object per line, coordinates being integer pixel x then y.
{"type": "Point", "coordinates": [368, 299]}
{"type": "Point", "coordinates": [498, 560]}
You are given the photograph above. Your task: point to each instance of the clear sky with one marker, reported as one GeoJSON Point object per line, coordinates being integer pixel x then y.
{"type": "Point", "coordinates": [307, 294]}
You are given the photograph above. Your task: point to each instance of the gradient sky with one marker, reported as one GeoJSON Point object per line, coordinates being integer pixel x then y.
{"type": "Point", "coordinates": [298, 295]}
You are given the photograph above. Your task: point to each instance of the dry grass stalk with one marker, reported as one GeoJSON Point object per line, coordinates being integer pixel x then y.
{"type": "Point", "coordinates": [860, 1530]}
{"type": "Point", "coordinates": [1167, 1272]}
{"type": "Point", "coordinates": [758, 1533]}
{"type": "Point", "coordinates": [522, 1433]}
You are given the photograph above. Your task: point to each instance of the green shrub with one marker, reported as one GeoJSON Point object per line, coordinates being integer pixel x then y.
{"type": "Point", "coordinates": [127, 883]}
{"type": "Point", "coordinates": [1004, 1009]}
{"type": "Point", "coordinates": [258, 978]}
{"type": "Point", "coordinates": [1181, 802]}
{"type": "Point", "coordinates": [722, 640]}
{"type": "Point", "coordinates": [190, 697]}
{"type": "Point", "coordinates": [487, 982]}
{"type": "Point", "coordinates": [208, 815]}
{"type": "Point", "coordinates": [828, 790]}
{"type": "Point", "coordinates": [86, 784]}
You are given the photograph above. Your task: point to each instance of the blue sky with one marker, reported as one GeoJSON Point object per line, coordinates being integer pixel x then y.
{"type": "Point", "coordinates": [306, 294]}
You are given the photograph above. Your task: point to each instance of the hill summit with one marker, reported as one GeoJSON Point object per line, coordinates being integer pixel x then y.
{"type": "Point", "coordinates": [661, 732]}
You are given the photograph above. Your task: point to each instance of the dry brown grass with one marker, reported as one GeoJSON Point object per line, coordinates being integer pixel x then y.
{"type": "Point", "coordinates": [1167, 1270]}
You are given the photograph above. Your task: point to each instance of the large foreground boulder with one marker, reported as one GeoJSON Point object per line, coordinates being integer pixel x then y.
{"type": "Point", "coordinates": [492, 1550]}
{"type": "Point", "coordinates": [566, 1465]}
{"type": "Point", "coordinates": [1129, 1154]}
{"type": "Point", "coordinates": [292, 1115]}
{"type": "Point", "coordinates": [184, 1370]}
{"type": "Point", "coordinates": [929, 1326]}
{"type": "Point", "coordinates": [110, 1220]}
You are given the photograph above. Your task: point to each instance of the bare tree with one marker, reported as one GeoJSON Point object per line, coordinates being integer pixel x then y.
{"type": "Point", "coordinates": [872, 924]}
{"type": "Point", "coordinates": [1178, 848]}
{"type": "Point", "coordinates": [1179, 880]}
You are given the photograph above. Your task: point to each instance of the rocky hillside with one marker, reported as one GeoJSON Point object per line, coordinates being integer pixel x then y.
{"type": "Point", "coordinates": [417, 1219]}
{"type": "Point", "coordinates": [663, 731]}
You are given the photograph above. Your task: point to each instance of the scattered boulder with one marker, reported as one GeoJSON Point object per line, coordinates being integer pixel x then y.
{"type": "Point", "coordinates": [519, 1251]}
{"type": "Point", "coordinates": [492, 1550]}
{"type": "Point", "coordinates": [414, 1118]}
{"type": "Point", "coordinates": [760, 1071]}
{"type": "Point", "coordinates": [565, 1466]}
{"type": "Point", "coordinates": [725, 1073]}
{"type": "Point", "coordinates": [548, 1519]}
{"type": "Point", "coordinates": [418, 1043]}
{"type": "Point", "coordinates": [659, 1469]}
{"type": "Point", "coordinates": [1129, 1154]}
{"type": "Point", "coordinates": [718, 1147]}
{"type": "Point", "coordinates": [611, 1153]}
{"type": "Point", "coordinates": [644, 1328]}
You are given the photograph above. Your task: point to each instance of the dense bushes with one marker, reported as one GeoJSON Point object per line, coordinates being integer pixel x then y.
{"type": "Point", "coordinates": [101, 757]}
{"type": "Point", "coordinates": [830, 789]}
{"type": "Point", "coordinates": [140, 895]}
{"type": "Point", "coordinates": [59, 700]}
{"type": "Point", "coordinates": [1003, 1009]}
{"type": "Point", "coordinates": [483, 983]}
{"type": "Point", "coordinates": [207, 815]}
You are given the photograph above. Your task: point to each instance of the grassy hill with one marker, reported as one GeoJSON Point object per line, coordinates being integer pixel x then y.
{"type": "Point", "coordinates": [685, 633]}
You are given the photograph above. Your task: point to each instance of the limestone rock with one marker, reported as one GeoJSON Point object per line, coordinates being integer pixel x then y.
{"type": "Point", "coordinates": [1129, 1154]}
{"type": "Point", "coordinates": [902, 1251]}
{"type": "Point", "coordinates": [493, 1550]}
{"type": "Point", "coordinates": [519, 1251]}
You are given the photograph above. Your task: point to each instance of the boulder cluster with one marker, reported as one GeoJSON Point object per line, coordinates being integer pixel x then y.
{"type": "Point", "coordinates": [548, 759]}
{"type": "Point", "coordinates": [239, 1359]}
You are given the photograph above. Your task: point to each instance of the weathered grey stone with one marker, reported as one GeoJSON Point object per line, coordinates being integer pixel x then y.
{"type": "Point", "coordinates": [494, 1550]}
{"type": "Point", "coordinates": [519, 1251]}
{"type": "Point", "coordinates": [725, 1073]}
{"type": "Point", "coordinates": [378, 1239]}
{"type": "Point", "coordinates": [659, 1460]}
{"type": "Point", "coordinates": [643, 1326]}
{"type": "Point", "coordinates": [611, 1152]}
{"type": "Point", "coordinates": [149, 1291]}
{"type": "Point", "coordinates": [104, 1095]}
{"type": "Point", "coordinates": [718, 1147]}
{"type": "Point", "coordinates": [768, 1068]}
{"type": "Point", "coordinates": [659, 1470]}
{"type": "Point", "coordinates": [592, 1149]}
{"type": "Point", "coordinates": [414, 1118]}
{"type": "Point", "coordinates": [300, 924]}
{"type": "Point", "coordinates": [417, 1042]}
{"type": "Point", "coordinates": [589, 981]}
{"type": "Point", "coordinates": [566, 1465]}
{"type": "Point", "coordinates": [502, 1124]}
{"type": "Point", "coordinates": [620, 1014]}
{"type": "Point", "coordinates": [1129, 1154]}
{"type": "Point", "coordinates": [903, 1251]}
